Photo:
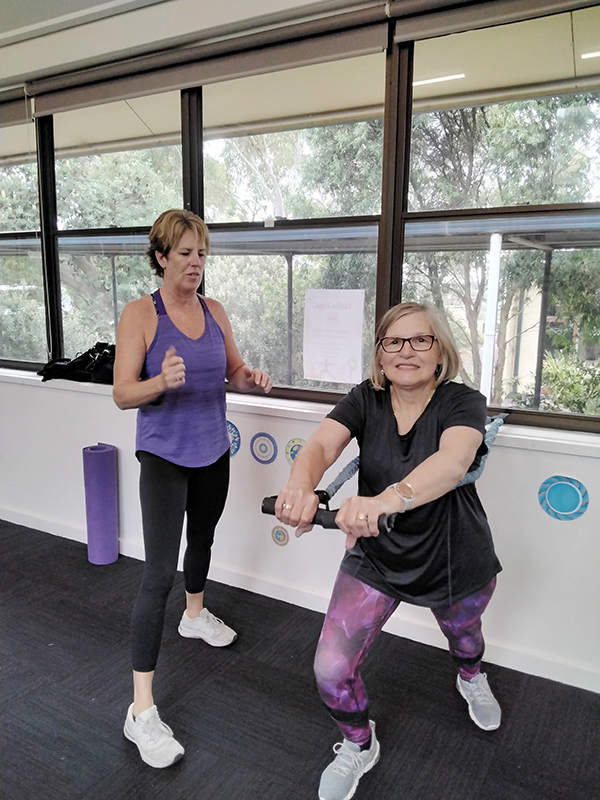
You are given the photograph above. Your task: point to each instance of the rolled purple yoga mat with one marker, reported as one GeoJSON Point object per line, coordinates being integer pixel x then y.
{"type": "Point", "coordinates": [100, 477]}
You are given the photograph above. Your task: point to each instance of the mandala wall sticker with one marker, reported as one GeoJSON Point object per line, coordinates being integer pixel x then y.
{"type": "Point", "coordinates": [263, 448]}
{"type": "Point", "coordinates": [280, 536]}
{"type": "Point", "coordinates": [563, 498]}
{"type": "Point", "coordinates": [234, 438]}
{"type": "Point", "coordinates": [292, 449]}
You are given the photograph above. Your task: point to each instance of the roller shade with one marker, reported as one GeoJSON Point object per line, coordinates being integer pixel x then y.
{"type": "Point", "coordinates": [318, 49]}
{"type": "Point", "coordinates": [476, 15]}
{"type": "Point", "coordinates": [15, 112]}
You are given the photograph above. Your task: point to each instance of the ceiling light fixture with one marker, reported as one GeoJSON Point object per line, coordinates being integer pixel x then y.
{"type": "Point", "coordinates": [439, 80]}
{"type": "Point", "coordinates": [591, 55]}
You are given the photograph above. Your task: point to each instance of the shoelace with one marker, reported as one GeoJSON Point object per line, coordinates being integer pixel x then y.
{"type": "Point", "coordinates": [155, 729]}
{"type": "Point", "coordinates": [213, 622]}
{"type": "Point", "coordinates": [346, 761]}
{"type": "Point", "coordinates": [481, 692]}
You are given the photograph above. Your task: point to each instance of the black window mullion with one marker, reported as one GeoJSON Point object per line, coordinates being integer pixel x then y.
{"type": "Point", "coordinates": [49, 231]}
{"type": "Point", "coordinates": [192, 156]}
{"type": "Point", "coordinates": [191, 150]}
{"type": "Point", "coordinates": [396, 147]}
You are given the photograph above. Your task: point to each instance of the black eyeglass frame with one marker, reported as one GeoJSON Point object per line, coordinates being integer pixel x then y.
{"type": "Point", "coordinates": [409, 340]}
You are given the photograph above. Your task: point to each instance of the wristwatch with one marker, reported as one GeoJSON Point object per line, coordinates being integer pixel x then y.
{"type": "Point", "coordinates": [406, 492]}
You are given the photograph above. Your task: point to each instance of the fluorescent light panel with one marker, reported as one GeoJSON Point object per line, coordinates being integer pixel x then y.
{"type": "Point", "coordinates": [591, 55]}
{"type": "Point", "coordinates": [439, 80]}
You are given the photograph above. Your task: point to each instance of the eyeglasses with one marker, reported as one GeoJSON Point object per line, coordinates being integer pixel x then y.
{"type": "Point", "coordinates": [394, 344]}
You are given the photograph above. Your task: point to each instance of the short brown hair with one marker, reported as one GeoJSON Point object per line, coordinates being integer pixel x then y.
{"type": "Point", "coordinates": [449, 356]}
{"type": "Point", "coordinates": [168, 230]}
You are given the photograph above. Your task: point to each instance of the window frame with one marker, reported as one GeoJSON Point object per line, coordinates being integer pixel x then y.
{"type": "Point", "coordinates": [392, 222]}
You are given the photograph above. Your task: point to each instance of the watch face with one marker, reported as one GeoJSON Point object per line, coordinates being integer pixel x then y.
{"type": "Point", "coordinates": [406, 490]}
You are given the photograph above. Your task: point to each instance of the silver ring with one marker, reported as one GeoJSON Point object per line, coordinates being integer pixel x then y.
{"type": "Point", "coordinates": [286, 505]}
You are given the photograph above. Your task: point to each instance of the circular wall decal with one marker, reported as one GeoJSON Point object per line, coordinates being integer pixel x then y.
{"type": "Point", "coordinates": [234, 438]}
{"type": "Point", "coordinates": [280, 536]}
{"type": "Point", "coordinates": [563, 498]}
{"type": "Point", "coordinates": [292, 449]}
{"type": "Point", "coordinates": [263, 448]}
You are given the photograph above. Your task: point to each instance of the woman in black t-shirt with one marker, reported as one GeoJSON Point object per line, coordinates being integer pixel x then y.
{"type": "Point", "coordinates": [418, 434]}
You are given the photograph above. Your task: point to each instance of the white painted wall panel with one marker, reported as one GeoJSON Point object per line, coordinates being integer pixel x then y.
{"type": "Point", "coordinates": [542, 620]}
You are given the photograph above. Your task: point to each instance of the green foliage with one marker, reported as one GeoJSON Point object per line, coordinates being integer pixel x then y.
{"type": "Point", "coordinates": [121, 189]}
{"type": "Point", "coordinates": [542, 151]}
{"type": "Point", "coordinates": [575, 292]}
{"type": "Point", "coordinates": [571, 385]}
{"type": "Point", "coordinates": [326, 171]}
{"type": "Point", "coordinates": [19, 210]}
{"type": "Point", "coordinates": [23, 324]}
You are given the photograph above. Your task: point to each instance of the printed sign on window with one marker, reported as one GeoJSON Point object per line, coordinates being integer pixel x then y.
{"type": "Point", "coordinates": [333, 326]}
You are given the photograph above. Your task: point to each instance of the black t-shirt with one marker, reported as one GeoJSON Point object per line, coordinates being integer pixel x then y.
{"type": "Point", "coordinates": [442, 551]}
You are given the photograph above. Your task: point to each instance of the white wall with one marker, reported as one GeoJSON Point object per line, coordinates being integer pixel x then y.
{"type": "Point", "coordinates": [542, 620]}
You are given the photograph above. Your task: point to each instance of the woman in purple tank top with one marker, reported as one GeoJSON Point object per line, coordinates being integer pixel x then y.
{"type": "Point", "coordinates": [175, 349]}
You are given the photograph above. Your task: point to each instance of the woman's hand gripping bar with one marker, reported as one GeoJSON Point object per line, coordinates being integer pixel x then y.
{"type": "Point", "coordinates": [326, 517]}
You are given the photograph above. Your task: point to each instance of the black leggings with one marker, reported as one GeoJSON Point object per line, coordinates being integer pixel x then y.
{"type": "Point", "coordinates": [167, 492]}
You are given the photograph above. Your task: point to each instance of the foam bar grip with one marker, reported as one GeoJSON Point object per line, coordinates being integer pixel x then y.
{"type": "Point", "coordinates": [100, 475]}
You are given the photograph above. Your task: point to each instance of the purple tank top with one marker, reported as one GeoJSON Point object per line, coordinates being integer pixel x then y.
{"type": "Point", "coordinates": [186, 426]}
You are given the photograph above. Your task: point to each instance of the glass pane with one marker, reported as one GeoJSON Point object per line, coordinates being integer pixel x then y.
{"type": "Point", "coordinates": [22, 315]}
{"type": "Point", "coordinates": [99, 276]}
{"type": "Point", "coordinates": [328, 171]}
{"type": "Point", "coordinates": [118, 164]}
{"type": "Point", "coordinates": [262, 276]}
{"type": "Point", "coordinates": [124, 189]}
{"type": "Point", "coordinates": [19, 206]}
{"type": "Point", "coordinates": [296, 144]}
{"type": "Point", "coordinates": [545, 277]}
{"type": "Point", "coordinates": [527, 152]}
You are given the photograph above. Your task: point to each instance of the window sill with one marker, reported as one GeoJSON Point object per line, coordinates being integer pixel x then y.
{"type": "Point", "coordinates": [286, 401]}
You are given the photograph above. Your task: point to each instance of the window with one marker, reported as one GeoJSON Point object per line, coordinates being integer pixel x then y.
{"type": "Point", "coordinates": [501, 231]}
{"type": "Point", "coordinates": [497, 205]}
{"type": "Point", "coordinates": [522, 296]}
{"type": "Point", "coordinates": [544, 150]}
{"type": "Point", "coordinates": [22, 311]}
{"type": "Point", "coordinates": [262, 276]}
{"type": "Point", "coordinates": [118, 164]}
{"type": "Point", "coordinates": [99, 276]}
{"type": "Point", "coordinates": [310, 164]}
{"type": "Point", "coordinates": [325, 171]}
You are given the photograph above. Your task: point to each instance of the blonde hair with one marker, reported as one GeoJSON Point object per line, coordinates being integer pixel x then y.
{"type": "Point", "coordinates": [167, 232]}
{"type": "Point", "coordinates": [449, 357]}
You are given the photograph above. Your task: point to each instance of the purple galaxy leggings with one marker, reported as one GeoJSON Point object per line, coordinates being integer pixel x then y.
{"type": "Point", "coordinates": [355, 617]}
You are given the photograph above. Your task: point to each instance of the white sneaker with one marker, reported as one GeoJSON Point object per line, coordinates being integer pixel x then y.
{"type": "Point", "coordinates": [207, 627]}
{"type": "Point", "coordinates": [153, 738]}
{"type": "Point", "coordinates": [341, 777]}
{"type": "Point", "coordinates": [484, 709]}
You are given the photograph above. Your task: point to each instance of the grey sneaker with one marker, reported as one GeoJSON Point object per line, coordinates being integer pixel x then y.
{"type": "Point", "coordinates": [341, 777]}
{"type": "Point", "coordinates": [153, 738]}
{"type": "Point", "coordinates": [483, 706]}
{"type": "Point", "coordinates": [207, 627]}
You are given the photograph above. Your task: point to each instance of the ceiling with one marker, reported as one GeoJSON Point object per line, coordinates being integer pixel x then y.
{"type": "Point", "coordinates": [545, 51]}
{"type": "Point", "coordinates": [26, 19]}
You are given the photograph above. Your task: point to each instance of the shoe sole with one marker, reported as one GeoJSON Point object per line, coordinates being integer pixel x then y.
{"type": "Point", "coordinates": [364, 772]}
{"type": "Point", "coordinates": [186, 635]}
{"type": "Point", "coordinates": [479, 725]}
{"type": "Point", "coordinates": [147, 760]}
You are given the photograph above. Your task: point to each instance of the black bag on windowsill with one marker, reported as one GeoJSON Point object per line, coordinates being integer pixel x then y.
{"type": "Point", "coordinates": [93, 366]}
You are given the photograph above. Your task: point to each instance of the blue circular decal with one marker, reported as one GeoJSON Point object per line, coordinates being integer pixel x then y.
{"type": "Point", "coordinates": [234, 438]}
{"type": "Point", "coordinates": [280, 536]}
{"type": "Point", "coordinates": [563, 498]}
{"type": "Point", "coordinates": [263, 448]}
{"type": "Point", "coordinates": [292, 449]}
